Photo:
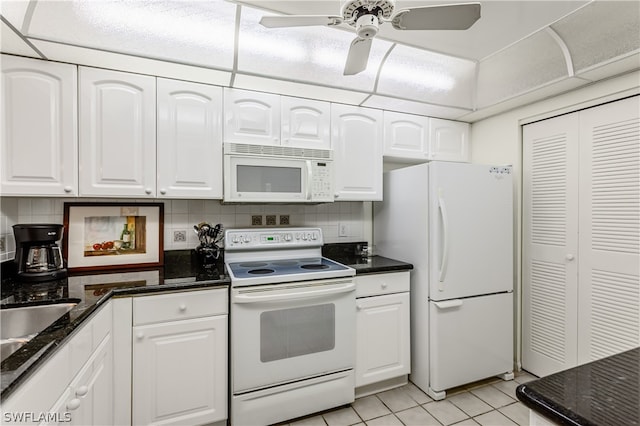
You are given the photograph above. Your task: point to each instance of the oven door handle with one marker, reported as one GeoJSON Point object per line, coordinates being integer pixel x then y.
{"type": "Point", "coordinates": [298, 293]}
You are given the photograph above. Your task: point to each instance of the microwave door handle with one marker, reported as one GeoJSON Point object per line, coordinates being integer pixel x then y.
{"type": "Point", "coordinates": [309, 178]}
{"type": "Point", "coordinates": [303, 293]}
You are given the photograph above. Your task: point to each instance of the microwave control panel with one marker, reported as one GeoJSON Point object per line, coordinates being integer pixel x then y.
{"type": "Point", "coordinates": [322, 183]}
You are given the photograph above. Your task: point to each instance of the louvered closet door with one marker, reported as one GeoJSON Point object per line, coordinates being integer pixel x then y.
{"type": "Point", "coordinates": [609, 296]}
{"type": "Point", "coordinates": [550, 242]}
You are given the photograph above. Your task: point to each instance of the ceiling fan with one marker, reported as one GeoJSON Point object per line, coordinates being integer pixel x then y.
{"type": "Point", "coordinates": [367, 15]}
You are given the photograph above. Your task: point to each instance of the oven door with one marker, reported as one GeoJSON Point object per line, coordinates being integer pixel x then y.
{"type": "Point", "coordinates": [286, 332]}
{"type": "Point", "coordinates": [266, 179]}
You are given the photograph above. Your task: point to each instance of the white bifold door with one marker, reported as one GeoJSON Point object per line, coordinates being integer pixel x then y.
{"type": "Point", "coordinates": [581, 236]}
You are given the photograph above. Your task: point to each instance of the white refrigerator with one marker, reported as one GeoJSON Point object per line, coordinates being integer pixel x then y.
{"type": "Point", "coordinates": [454, 223]}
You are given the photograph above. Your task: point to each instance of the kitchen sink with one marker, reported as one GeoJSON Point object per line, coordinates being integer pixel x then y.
{"type": "Point", "coordinates": [20, 324]}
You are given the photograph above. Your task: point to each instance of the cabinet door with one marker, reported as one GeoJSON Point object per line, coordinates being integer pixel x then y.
{"type": "Point", "coordinates": [251, 117]}
{"type": "Point", "coordinates": [189, 142]}
{"type": "Point", "coordinates": [180, 372]}
{"type": "Point", "coordinates": [405, 136]}
{"type": "Point", "coordinates": [90, 399]}
{"type": "Point", "coordinates": [550, 244]}
{"type": "Point", "coordinates": [356, 138]}
{"type": "Point", "coordinates": [382, 339]}
{"type": "Point", "coordinates": [448, 140]}
{"type": "Point", "coordinates": [306, 123]}
{"type": "Point", "coordinates": [39, 140]}
{"type": "Point", "coordinates": [117, 134]}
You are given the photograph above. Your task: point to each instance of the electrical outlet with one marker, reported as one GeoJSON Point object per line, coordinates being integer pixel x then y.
{"type": "Point", "coordinates": [180, 236]}
{"type": "Point", "coordinates": [284, 219]}
{"type": "Point", "coordinates": [256, 220]}
{"type": "Point", "coordinates": [271, 219]}
{"type": "Point", "coordinates": [343, 230]}
{"type": "Point", "coordinates": [3, 243]}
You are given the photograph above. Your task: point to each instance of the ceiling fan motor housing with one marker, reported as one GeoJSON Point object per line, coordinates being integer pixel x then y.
{"type": "Point", "coordinates": [367, 26]}
{"type": "Point", "coordinates": [354, 9]}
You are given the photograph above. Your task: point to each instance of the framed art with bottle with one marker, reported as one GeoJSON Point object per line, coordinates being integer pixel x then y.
{"type": "Point", "coordinates": [113, 235]}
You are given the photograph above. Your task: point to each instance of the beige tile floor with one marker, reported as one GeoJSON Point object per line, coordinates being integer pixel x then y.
{"type": "Point", "coordinates": [489, 403]}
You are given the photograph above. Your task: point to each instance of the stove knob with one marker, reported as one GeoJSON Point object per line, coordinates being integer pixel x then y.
{"type": "Point", "coordinates": [234, 239]}
{"type": "Point", "coordinates": [314, 236]}
{"type": "Point", "coordinates": [304, 237]}
{"type": "Point", "coordinates": [287, 237]}
{"type": "Point", "coordinates": [247, 239]}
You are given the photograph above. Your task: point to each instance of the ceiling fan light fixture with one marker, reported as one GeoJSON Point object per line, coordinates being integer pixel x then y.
{"type": "Point", "coordinates": [367, 26]}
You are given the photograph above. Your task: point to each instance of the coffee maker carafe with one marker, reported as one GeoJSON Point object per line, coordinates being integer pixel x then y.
{"type": "Point", "coordinates": [38, 256]}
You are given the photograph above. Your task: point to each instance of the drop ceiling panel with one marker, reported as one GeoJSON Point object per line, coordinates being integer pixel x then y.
{"type": "Point", "coordinates": [197, 32]}
{"type": "Point", "coordinates": [616, 67]}
{"type": "Point", "coordinates": [502, 23]}
{"type": "Point", "coordinates": [601, 31]}
{"type": "Point", "coordinates": [289, 88]}
{"type": "Point", "coordinates": [303, 54]}
{"type": "Point", "coordinates": [14, 11]}
{"type": "Point", "coordinates": [539, 94]}
{"type": "Point", "coordinates": [532, 63]}
{"type": "Point", "coordinates": [117, 61]}
{"type": "Point", "coordinates": [412, 107]}
{"type": "Point", "coordinates": [428, 77]}
{"type": "Point", "coordinates": [10, 42]}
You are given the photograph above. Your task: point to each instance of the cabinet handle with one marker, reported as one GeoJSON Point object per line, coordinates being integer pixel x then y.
{"type": "Point", "coordinates": [68, 189]}
{"type": "Point", "coordinates": [82, 391]}
{"type": "Point", "coordinates": [163, 191]}
{"type": "Point", "coordinates": [148, 191]}
{"type": "Point", "coordinates": [359, 307]}
{"type": "Point", "coordinates": [384, 285]}
{"type": "Point", "coordinates": [139, 335]}
{"type": "Point", "coordinates": [73, 404]}
{"type": "Point", "coordinates": [569, 256]}
{"type": "Point", "coordinates": [336, 195]}
{"type": "Point", "coordinates": [182, 307]}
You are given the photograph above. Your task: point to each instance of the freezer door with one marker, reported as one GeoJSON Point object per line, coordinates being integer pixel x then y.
{"type": "Point", "coordinates": [470, 339]}
{"type": "Point", "coordinates": [471, 230]}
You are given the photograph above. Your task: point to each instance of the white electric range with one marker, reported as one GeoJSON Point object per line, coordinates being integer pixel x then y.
{"type": "Point", "coordinates": [292, 325]}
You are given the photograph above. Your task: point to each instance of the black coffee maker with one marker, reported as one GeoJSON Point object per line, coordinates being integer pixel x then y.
{"type": "Point", "coordinates": [38, 256]}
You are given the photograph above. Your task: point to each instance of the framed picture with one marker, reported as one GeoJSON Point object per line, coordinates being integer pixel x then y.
{"type": "Point", "coordinates": [113, 235]}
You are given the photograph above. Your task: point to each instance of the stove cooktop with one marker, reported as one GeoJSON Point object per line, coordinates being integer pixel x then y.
{"type": "Point", "coordinates": [285, 270]}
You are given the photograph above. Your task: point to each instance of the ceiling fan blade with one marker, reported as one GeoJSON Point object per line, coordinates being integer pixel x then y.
{"type": "Point", "coordinates": [358, 56]}
{"type": "Point", "coordinates": [299, 21]}
{"type": "Point", "coordinates": [448, 17]}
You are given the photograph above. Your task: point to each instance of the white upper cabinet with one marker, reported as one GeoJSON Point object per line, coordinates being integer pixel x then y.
{"type": "Point", "coordinates": [251, 117]}
{"type": "Point", "coordinates": [189, 144]}
{"type": "Point", "coordinates": [448, 140]}
{"type": "Point", "coordinates": [356, 139]}
{"type": "Point", "coordinates": [38, 148]}
{"type": "Point", "coordinates": [306, 123]}
{"type": "Point", "coordinates": [117, 116]}
{"type": "Point", "coordinates": [406, 136]}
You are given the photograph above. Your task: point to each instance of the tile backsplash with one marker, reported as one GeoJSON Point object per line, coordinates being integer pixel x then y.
{"type": "Point", "coordinates": [340, 222]}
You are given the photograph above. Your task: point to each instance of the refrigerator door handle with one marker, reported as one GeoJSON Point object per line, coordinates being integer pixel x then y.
{"type": "Point", "coordinates": [448, 304]}
{"type": "Point", "coordinates": [445, 238]}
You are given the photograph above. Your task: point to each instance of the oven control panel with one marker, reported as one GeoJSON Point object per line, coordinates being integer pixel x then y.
{"type": "Point", "coordinates": [268, 238]}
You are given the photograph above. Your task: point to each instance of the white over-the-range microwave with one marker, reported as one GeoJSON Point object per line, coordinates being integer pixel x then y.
{"type": "Point", "coordinates": [277, 174]}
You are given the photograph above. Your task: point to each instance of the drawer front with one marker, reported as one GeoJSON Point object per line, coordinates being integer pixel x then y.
{"type": "Point", "coordinates": [386, 283]}
{"type": "Point", "coordinates": [179, 306]}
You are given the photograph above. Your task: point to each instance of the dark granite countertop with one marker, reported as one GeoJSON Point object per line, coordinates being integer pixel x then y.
{"type": "Point", "coordinates": [90, 291]}
{"type": "Point", "coordinates": [181, 271]}
{"type": "Point", "coordinates": [603, 392]}
{"type": "Point", "coordinates": [346, 253]}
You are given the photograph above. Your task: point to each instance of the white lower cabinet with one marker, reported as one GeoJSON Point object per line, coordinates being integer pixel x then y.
{"type": "Point", "coordinates": [75, 386]}
{"type": "Point", "coordinates": [382, 329]}
{"type": "Point", "coordinates": [180, 358]}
